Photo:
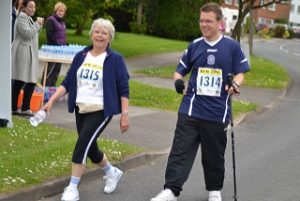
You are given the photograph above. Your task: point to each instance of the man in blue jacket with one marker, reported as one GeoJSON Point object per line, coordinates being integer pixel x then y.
{"type": "Point", "coordinates": [204, 112]}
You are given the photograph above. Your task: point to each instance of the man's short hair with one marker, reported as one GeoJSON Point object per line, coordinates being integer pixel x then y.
{"type": "Point", "coordinates": [212, 7]}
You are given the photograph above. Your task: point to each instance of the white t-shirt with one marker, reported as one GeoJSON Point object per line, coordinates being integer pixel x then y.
{"type": "Point", "coordinates": [89, 80]}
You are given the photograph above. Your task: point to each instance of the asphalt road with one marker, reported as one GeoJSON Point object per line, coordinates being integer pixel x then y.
{"type": "Point", "coordinates": [269, 159]}
{"type": "Point", "coordinates": [267, 151]}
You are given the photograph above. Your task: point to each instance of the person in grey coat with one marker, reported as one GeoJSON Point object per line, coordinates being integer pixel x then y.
{"type": "Point", "coordinates": [25, 60]}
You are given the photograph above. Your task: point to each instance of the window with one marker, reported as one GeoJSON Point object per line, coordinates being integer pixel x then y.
{"type": "Point", "coordinates": [298, 10]}
{"type": "Point", "coordinates": [228, 2]}
{"type": "Point", "coordinates": [262, 20]}
{"type": "Point", "coordinates": [270, 21]}
{"type": "Point", "coordinates": [272, 7]}
{"type": "Point", "coordinates": [292, 8]}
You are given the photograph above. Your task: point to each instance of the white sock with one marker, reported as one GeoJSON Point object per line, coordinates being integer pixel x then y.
{"type": "Point", "coordinates": [215, 192]}
{"type": "Point", "coordinates": [74, 182]}
{"type": "Point", "coordinates": [108, 169]}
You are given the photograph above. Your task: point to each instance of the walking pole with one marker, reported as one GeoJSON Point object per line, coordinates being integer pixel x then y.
{"type": "Point", "coordinates": [230, 80]}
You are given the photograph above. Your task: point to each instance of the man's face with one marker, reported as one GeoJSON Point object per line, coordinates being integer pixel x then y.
{"type": "Point", "coordinates": [209, 25]}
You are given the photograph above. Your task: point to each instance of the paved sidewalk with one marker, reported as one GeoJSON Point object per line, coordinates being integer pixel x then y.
{"type": "Point", "coordinates": [151, 129]}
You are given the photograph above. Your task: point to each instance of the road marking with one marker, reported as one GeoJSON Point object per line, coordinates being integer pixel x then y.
{"type": "Point", "coordinates": [282, 49]}
{"type": "Point", "coordinates": [287, 51]}
{"type": "Point", "coordinates": [296, 54]}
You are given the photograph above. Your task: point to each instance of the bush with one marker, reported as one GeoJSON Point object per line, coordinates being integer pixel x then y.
{"type": "Point", "coordinates": [291, 33]}
{"type": "Point", "coordinates": [138, 29]}
{"type": "Point", "coordinates": [279, 31]}
{"type": "Point", "coordinates": [286, 34]}
{"type": "Point", "coordinates": [174, 20]}
{"type": "Point", "coordinates": [264, 32]}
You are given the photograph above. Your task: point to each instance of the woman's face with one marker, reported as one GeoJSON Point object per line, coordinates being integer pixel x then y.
{"type": "Point", "coordinates": [20, 4]}
{"type": "Point", "coordinates": [100, 37]}
{"type": "Point", "coordinates": [60, 12]}
{"type": "Point", "coordinates": [30, 8]}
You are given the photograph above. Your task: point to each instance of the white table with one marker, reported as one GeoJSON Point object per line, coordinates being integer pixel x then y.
{"type": "Point", "coordinates": [46, 60]}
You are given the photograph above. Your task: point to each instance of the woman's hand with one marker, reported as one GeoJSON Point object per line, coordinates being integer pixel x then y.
{"type": "Point", "coordinates": [48, 106]}
{"type": "Point", "coordinates": [124, 122]}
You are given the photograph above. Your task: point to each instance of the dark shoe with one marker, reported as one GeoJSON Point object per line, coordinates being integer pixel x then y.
{"type": "Point", "coordinates": [27, 113]}
{"type": "Point", "coordinates": [16, 112]}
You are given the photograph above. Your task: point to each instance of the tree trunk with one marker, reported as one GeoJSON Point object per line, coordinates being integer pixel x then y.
{"type": "Point", "coordinates": [78, 30]}
{"type": "Point", "coordinates": [140, 12]}
{"type": "Point", "coordinates": [236, 33]}
{"type": "Point", "coordinates": [251, 32]}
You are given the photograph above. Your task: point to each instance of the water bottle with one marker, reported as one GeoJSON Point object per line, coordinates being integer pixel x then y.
{"type": "Point", "coordinates": [38, 118]}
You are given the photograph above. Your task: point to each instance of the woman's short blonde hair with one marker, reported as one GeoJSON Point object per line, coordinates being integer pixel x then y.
{"type": "Point", "coordinates": [105, 24]}
{"type": "Point", "coordinates": [60, 5]}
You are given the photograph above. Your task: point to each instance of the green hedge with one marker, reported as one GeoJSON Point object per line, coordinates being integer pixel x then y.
{"type": "Point", "coordinates": [176, 19]}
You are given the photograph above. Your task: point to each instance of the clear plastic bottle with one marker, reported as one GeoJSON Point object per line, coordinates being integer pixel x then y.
{"type": "Point", "coordinates": [38, 118]}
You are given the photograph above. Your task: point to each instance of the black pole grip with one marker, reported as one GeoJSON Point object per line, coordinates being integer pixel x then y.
{"type": "Point", "coordinates": [229, 79]}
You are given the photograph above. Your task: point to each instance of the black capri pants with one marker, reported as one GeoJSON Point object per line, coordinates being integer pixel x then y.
{"type": "Point", "coordinates": [89, 127]}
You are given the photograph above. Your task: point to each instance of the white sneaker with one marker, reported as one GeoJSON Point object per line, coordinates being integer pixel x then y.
{"type": "Point", "coordinates": [214, 196]}
{"type": "Point", "coordinates": [165, 195]}
{"type": "Point", "coordinates": [112, 180]}
{"type": "Point", "coordinates": [70, 194]}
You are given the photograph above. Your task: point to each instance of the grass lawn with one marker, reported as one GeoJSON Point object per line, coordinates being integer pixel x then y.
{"type": "Point", "coordinates": [30, 156]}
{"type": "Point", "coordinates": [128, 44]}
{"type": "Point", "coordinates": [168, 99]}
{"type": "Point", "coordinates": [264, 74]}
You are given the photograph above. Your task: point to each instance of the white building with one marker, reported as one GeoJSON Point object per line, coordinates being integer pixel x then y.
{"type": "Point", "coordinates": [230, 17]}
{"type": "Point", "coordinates": [294, 19]}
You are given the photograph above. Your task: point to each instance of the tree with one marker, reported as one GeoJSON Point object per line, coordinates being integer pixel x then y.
{"type": "Point", "coordinates": [138, 23]}
{"type": "Point", "coordinates": [245, 6]}
{"type": "Point", "coordinates": [141, 4]}
{"type": "Point", "coordinates": [176, 19]}
{"type": "Point", "coordinates": [80, 14]}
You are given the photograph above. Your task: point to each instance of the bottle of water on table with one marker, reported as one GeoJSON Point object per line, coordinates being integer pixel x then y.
{"type": "Point", "coordinates": [38, 118]}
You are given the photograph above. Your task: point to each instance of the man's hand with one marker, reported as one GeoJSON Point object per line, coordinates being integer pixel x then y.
{"type": "Point", "coordinates": [179, 86]}
{"type": "Point", "coordinates": [233, 88]}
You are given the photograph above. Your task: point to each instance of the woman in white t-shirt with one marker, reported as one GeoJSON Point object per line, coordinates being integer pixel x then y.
{"type": "Point", "coordinates": [97, 85]}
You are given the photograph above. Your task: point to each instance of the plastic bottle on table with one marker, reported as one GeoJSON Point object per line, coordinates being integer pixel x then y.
{"type": "Point", "coordinates": [38, 118]}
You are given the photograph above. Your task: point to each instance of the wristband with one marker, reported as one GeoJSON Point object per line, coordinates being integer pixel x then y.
{"type": "Point", "coordinates": [236, 87]}
{"type": "Point", "coordinates": [236, 84]}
